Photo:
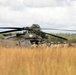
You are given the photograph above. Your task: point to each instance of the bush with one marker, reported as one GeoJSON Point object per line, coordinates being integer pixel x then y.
{"type": "Point", "coordinates": [1, 36]}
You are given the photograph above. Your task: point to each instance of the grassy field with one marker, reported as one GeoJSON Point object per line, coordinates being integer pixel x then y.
{"type": "Point", "coordinates": [37, 61]}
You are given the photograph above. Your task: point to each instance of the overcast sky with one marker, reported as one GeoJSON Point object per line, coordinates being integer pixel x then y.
{"type": "Point", "coordinates": [46, 13]}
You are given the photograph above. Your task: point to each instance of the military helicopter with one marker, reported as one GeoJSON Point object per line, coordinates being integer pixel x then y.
{"type": "Point", "coordinates": [30, 35]}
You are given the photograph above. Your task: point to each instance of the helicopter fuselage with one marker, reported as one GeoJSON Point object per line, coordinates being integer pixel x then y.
{"type": "Point", "coordinates": [30, 36]}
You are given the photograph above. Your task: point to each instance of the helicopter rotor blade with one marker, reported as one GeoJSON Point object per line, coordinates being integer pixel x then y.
{"type": "Point", "coordinates": [29, 28]}
{"type": "Point", "coordinates": [8, 31]}
{"type": "Point", "coordinates": [55, 35]}
{"type": "Point", "coordinates": [57, 29]}
{"type": "Point", "coordinates": [18, 28]}
{"type": "Point", "coordinates": [10, 28]}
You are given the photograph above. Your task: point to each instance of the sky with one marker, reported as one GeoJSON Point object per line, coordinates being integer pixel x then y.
{"type": "Point", "coordinates": [60, 14]}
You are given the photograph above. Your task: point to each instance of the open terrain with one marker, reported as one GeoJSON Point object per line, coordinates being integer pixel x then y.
{"type": "Point", "coordinates": [38, 61]}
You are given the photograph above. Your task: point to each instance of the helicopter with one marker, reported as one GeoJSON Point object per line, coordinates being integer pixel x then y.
{"type": "Point", "coordinates": [30, 35]}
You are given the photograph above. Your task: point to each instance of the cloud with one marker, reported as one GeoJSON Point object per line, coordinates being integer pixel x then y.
{"type": "Point", "coordinates": [46, 3]}
{"type": "Point", "coordinates": [47, 13]}
{"type": "Point", "coordinates": [34, 3]}
{"type": "Point", "coordinates": [13, 4]}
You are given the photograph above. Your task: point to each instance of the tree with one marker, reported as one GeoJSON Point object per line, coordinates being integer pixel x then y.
{"type": "Point", "coordinates": [36, 27]}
